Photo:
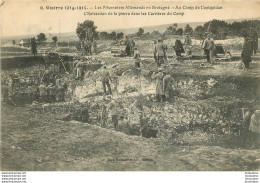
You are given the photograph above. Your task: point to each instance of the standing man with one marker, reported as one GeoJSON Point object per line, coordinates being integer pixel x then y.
{"type": "Point", "coordinates": [247, 51]}
{"type": "Point", "coordinates": [43, 93]}
{"type": "Point", "coordinates": [95, 46]}
{"type": "Point", "coordinates": [155, 51]}
{"type": "Point", "coordinates": [209, 47]}
{"type": "Point", "coordinates": [161, 52]}
{"type": "Point", "coordinates": [105, 77]}
{"type": "Point", "coordinates": [112, 107]}
{"type": "Point", "coordinates": [168, 81]}
{"type": "Point", "coordinates": [137, 60]}
{"type": "Point", "coordinates": [127, 43]}
{"type": "Point", "coordinates": [159, 85]}
{"type": "Point", "coordinates": [254, 40]}
{"type": "Point", "coordinates": [178, 48]}
{"type": "Point", "coordinates": [132, 46]}
{"type": "Point", "coordinates": [52, 93]}
{"type": "Point", "coordinates": [187, 45]}
{"type": "Point", "coordinates": [79, 70]}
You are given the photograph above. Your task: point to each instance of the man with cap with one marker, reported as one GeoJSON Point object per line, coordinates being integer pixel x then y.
{"type": "Point", "coordinates": [132, 46]}
{"type": "Point", "coordinates": [51, 93]}
{"type": "Point", "coordinates": [159, 85]}
{"type": "Point", "coordinates": [168, 81]}
{"type": "Point", "coordinates": [105, 78]}
{"type": "Point", "coordinates": [254, 40]}
{"type": "Point", "coordinates": [112, 108]}
{"type": "Point", "coordinates": [79, 70]}
{"type": "Point", "coordinates": [247, 50]}
{"type": "Point", "coordinates": [187, 44]}
{"type": "Point", "coordinates": [161, 52]}
{"type": "Point", "coordinates": [43, 93]}
{"type": "Point", "coordinates": [127, 43]}
{"type": "Point", "coordinates": [155, 51]}
{"type": "Point", "coordinates": [209, 47]}
{"type": "Point", "coordinates": [178, 48]}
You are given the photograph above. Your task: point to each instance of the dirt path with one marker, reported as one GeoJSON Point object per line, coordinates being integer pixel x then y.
{"type": "Point", "coordinates": [31, 142]}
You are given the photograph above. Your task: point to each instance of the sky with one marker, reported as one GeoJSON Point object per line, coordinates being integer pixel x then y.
{"type": "Point", "coordinates": [27, 18]}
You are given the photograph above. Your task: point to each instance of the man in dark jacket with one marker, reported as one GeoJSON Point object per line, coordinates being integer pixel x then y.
{"type": "Point", "coordinates": [254, 40]}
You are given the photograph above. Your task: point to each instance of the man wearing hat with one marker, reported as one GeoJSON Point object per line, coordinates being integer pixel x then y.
{"type": "Point", "coordinates": [168, 81]}
{"type": "Point", "coordinates": [159, 85]}
{"type": "Point", "coordinates": [161, 52]}
{"type": "Point", "coordinates": [247, 50]}
{"type": "Point", "coordinates": [155, 51]}
{"type": "Point", "coordinates": [105, 77]}
{"type": "Point", "coordinates": [254, 40]}
{"type": "Point", "coordinates": [209, 47]}
{"type": "Point", "coordinates": [187, 44]}
{"type": "Point", "coordinates": [112, 108]}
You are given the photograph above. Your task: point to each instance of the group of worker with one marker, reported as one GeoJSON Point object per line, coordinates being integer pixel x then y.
{"type": "Point", "coordinates": [52, 93]}
{"type": "Point", "coordinates": [165, 85]}
{"type": "Point", "coordinates": [45, 92]}
{"type": "Point", "coordinates": [130, 46]}
{"type": "Point", "coordinates": [87, 45]}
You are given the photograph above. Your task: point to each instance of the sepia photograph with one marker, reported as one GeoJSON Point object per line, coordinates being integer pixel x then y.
{"type": "Point", "coordinates": [129, 86]}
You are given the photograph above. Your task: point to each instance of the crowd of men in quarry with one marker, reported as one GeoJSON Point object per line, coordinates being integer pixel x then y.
{"type": "Point", "coordinates": [54, 90]}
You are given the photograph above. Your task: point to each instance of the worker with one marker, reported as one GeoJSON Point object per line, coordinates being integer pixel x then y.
{"type": "Point", "coordinates": [247, 50]}
{"type": "Point", "coordinates": [188, 45]}
{"type": "Point", "coordinates": [254, 40]}
{"type": "Point", "coordinates": [168, 82]}
{"type": "Point", "coordinates": [209, 47]}
{"type": "Point", "coordinates": [178, 48]}
{"type": "Point", "coordinates": [104, 114]}
{"type": "Point", "coordinates": [51, 93]}
{"type": "Point", "coordinates": [155, 51]}
{"type": "Point", "coordinates": [105, 77]}
{"type": "Point", "coordinates": [132, 46]}
{"type": "Point", "coordinates": [159, 85]}
{"type": "Point", "coordinates": [137, 60]}
{"type": "Point", "coordinates": [43, 93]}
{"type": "Point", "coordinates": [161, 52]}
{"type": "Point", "coordinates": [79, 70]}
{"type": "Point", "coordinates": [127, 43]}
{"type": "Point", "coordinates": [112, 108]}
{"type": "Point", "coordinates": [84, 114]}
{"type": "Point", "coordinates": [60, 96]}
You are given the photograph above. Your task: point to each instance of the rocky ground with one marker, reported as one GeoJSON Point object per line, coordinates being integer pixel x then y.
{"type": "Point", "coordinates": [199, 130]}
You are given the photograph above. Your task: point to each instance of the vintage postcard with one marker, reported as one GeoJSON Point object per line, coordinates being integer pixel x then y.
{"type": "Point", "coordinates": [130, 86]}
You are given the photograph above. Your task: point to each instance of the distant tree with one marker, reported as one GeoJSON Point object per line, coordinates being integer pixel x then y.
{"type": "Point", "coordinates": [217, 27]}
{"type": "Point", "coordinates": [120, 35]}
{"type": "Point", "coordinates": [41, 37]}
{"type": "Point", "coordinates": [13, 42]}
{"type": "Point", "coordinates": [171, 30]}
{"type": "Point", "coordinates": [188, 29]}
{"type": "Point", "coordinates": [140, 32]}
{"type": "Point", "coordinates": [104, 35]}
{"type": "Point", "coordinates": [179, 32]}
{"type": "Point", "coordinates": [199, 32]}
{"type": "Point", "coordinates": [112, 35]}
{"type": "Point", "coordinates": [86, 30]}
{"type": "Point", "coordinates": [34, 46]}
{"type": "Point", "coordinates": [55, 39]}
{"type": "Point", "coordinates": [175, 25]}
